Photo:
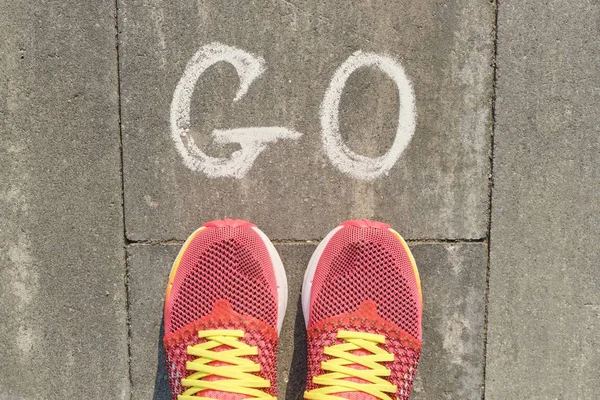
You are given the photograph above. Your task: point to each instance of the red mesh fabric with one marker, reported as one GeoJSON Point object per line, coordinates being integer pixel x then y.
{"type": "Point", "coordinates": [366, 263]}
{"type": "Point", "coordinates": [258, 334]}
{"type": "Point", "coordinates": [406, 349]}
{"type": "Point", "coordinates": [228, 262]}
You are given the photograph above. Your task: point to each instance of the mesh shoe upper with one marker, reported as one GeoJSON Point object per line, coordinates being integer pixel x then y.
{"type": "Point", "coordinates": [229, 262]}
{"type": "Point", "coordinates": [223, 278]}
{"type": "Point", "coordinates": [366, 281]}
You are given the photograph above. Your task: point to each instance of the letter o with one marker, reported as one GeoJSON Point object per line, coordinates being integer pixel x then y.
{"type": "Point", "coordinates": [340, 155]}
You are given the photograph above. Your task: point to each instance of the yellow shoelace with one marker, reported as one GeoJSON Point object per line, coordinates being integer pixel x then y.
{"type": "Point", "coordinates": [336, 381]}
{"type": "Point", "coordinates": [238, 375]}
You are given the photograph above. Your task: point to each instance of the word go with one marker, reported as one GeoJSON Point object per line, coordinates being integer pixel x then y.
{"type": "Point", "coordinates": [253, 140]}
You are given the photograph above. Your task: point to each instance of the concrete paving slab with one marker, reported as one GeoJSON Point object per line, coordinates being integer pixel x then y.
{"type": "Point", "coordinates": [453, 277]}
{"type": "Point", "coordinates": [148, 271]}
{"type": "Point", "coordinates": [454, 284]}
{"type": "Point", "coordinates": [438, 188]}
{"type": "Point", "coordinates": [543, 340]}
{"type": "Point", "coordinates": [63, 330]}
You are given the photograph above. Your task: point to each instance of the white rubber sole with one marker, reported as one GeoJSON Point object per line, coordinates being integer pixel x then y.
{"type": "Point", "coordinates": [310, 273]}
{"type": "Point", "coordinates": [280, 276]}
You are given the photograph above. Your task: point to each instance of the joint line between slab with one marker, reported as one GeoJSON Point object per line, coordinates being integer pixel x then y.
{"type": "Point", "coordinates": [179, 242]}
{"type": "Point", "coordinates": [125, 241]}
{"type": "Point", "coordinates": [490, 194]}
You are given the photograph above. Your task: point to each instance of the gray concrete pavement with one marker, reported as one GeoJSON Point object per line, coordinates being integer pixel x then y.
{"type": "Point", "coordinates": [66, 292]}
{"type": "Point", "coordinates": [146, 269]}
{"type": "Point", "coordinates": [454, 281]}
{"type": "Point", "coordinates": [544, 321]}
{"type": "Point", "coordinates": [454, 278]}
{"type": "Point", "coordinates": [437, 189]}
{"type": "Point", "coordinates": [63, 332]}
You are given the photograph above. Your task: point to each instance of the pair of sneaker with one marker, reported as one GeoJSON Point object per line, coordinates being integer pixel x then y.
{"type": "Point", "coordinates": [226, 300]}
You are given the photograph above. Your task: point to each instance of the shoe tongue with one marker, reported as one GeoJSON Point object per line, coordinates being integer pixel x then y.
{"type": "Point", "coordinates": [222, 316]}
{"type": "Point", "coordinates": [367, 319]}
{"type": "Point", "coordinates": [221, 309]}
{"type": "Point", "coordinates": [368, 310]}
{"type": "Point", "coordinates": [355, 395]}
{"type": "Point", "coordinates": [217, 394]}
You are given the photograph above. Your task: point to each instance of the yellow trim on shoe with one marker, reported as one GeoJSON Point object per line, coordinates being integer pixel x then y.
{"type": "Point", "coordinates": [178, 260]}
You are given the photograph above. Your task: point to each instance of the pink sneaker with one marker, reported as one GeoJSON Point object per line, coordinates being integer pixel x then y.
{"type": "Point", "coordinates": [362, 304]}
{"type": "Point", "coordinates": [224, 307]}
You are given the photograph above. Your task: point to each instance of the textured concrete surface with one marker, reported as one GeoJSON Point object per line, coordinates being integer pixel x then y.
{"type": "Point", "coordinates": [454, 284]}
{"type": "Point", "coordinates": [453, 277]}
{"type": "Point", "coordinates": [147, 276]}
{"type": "Point", "coordinates": [292, 347]}
{"type": "Point", "coordinates": [63, 331]}
{"type": "Point", "coordinates": [544, 321]}
{"type": "Point", "coordinates": [437, 189]}
{"type": "Point", "coordinates": [62, 251]}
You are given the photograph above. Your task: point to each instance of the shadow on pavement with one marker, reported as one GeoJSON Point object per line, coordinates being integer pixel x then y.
{"type": "Point", "coordinates": [297, 375]}
{"type": "Point", "coordinates": [161, 383]}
